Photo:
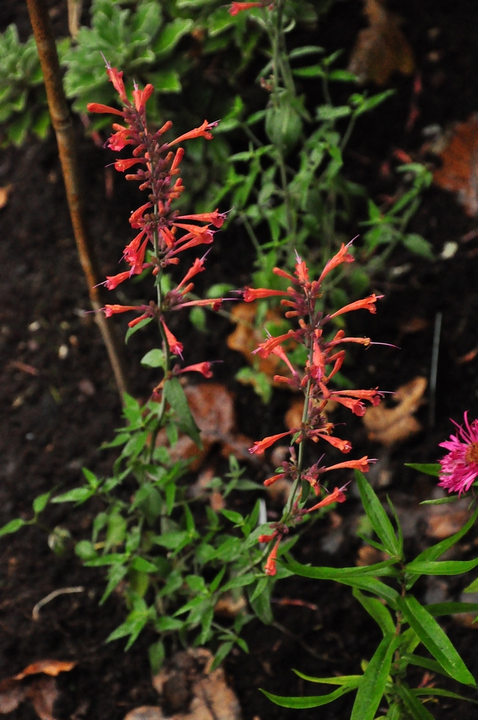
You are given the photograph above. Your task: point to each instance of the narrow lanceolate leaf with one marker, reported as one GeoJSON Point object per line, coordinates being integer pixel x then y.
{"type": "Point", "coordinates": [416, 709]}
{"type": "Point", "coordinates": [374, 679]}
{"type": "Point", "coordinates": [377, 516]}
{"type": "Point", "coordinates": [377, 611]}
{"type": "Point", "coordinates": [177, 399]}
{"type": "Point", "coordinates": [307, 702]}
{"type": "Point", "coordinates": [446, 567]}
{"type": "Point", "coordinates": [426, 468]}
{"type": "Point", "coordinates": [435, 640]}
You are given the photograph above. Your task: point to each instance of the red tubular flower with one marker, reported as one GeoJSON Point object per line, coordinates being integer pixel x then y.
{"type": "Point", "coordinates": [204, 368]}
{"type": "Point", "coordinates": [337, 495]}
{"type": "Point", "coordinates": [113, 281]}
{"type": "Point", "coordinates": [259, 447]}
{"type": "Point", "coordinates": [100, 108]}
{"type": "Point", "coordinates": [251, 294]}
{"type": "Point", "coordinates": [126, 163]}
{"type": "Point", "coordinates": [270, 566]}
{"type": "Point", "coordinates": [216, 218]}
{"type": "Point", "coordinates": [116, 77]}
{"type": "Point", "coordinates": [265, 348]}
{"type": "Point", "coordinates": [141, 97]}
{"type": "Point", "coordinates": [342, 256]}
{"type": "Point", "coordinates": [367, 303]}
{"type": "Point", "coordinates": [110, 310]}
{"type": "Point", "coordinates": [363, 465]}
{"type": "Point", "coordinates": [342, 445]}
{"type": "Point", "coordinates": [271, 481]}
{"type": "Point", "coordinates": [202, 131]}
{"type": "Point", "coordinates": [174, 345]}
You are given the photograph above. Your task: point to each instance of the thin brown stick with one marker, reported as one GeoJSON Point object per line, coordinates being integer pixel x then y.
{"type": "Point", "coordinates": [67, 149]}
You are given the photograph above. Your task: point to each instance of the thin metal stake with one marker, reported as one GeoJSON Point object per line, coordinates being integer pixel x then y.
{"type": "Point", "coordinates": [434, 369]}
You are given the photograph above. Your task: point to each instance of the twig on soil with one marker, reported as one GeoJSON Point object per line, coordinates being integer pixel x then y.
{"type": "Point", "coordinates": [67, 150]}
{"type": "Point", "coordinates": [52, 596]}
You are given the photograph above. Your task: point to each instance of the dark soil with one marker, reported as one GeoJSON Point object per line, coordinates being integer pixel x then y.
{"type": "Point", "coordinates": [60, 402]}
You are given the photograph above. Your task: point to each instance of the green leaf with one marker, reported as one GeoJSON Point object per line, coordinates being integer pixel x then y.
{"type": "Point", "coordinates": [78, 495]}
{"type": "Point", "coordinates": [472, 587]}
{"type": "Point", "coordinates": [435, 551]}
{"type": "Point", "coordinates": [307, 702]}
{"type": "Point", "coordinates": [329, 112]}
{"type": "Point", "coordinates": [40, 502]}
{"type": "Point", "coordinates": [240, 581]}
{"type": "Point", "coordinates": [116, 531]}
{"type": "Point", "coordinates": [171, 35]}
{"type": "Point", "coordinates": [233, 516]}
{"type": "Point", "coordinates": [132, 330]}
{"type": "Point", "coordinates": [377, 611]}
{"type": "Point", "coordinates": [451, 608]}
{"type": "Point", "coordinates": [416, 709]}
{"type": "Point", "coordinates": [222, 651]}
{"type": "Point", "coordinates": [85, 550]}
{"type": "Point", "coordinates": [142, 565]}
{"type": "Point", "coordinates": [262, 603]}
{"type": "Point", "coordinates": [445, 567]}
{"type": "Point", "coordinates": [176, 397]}
{"type": "Point", "coordinates": [153, 358]}
{"type": "Point", "coordinates": [426, 468]}
{"type": "Point", "coordinates": [434, 639]}
{"type": "Point", "coordinates": [157, 654]}
{"type": "Point", "coordinates": [352, 681]}
{"type": "Point", "coordinates": [378, 517]}
{"type": "Point", "coordinates": [418, 245]}
{"type": "Point", "coordinates": [374, 680]}
{"type": "Point", "coordinates": [12, 526]}
{"type": "Point", "coordinates": [115, 574]}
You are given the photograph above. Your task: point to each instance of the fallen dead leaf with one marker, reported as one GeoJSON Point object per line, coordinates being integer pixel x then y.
{"type": "Point", "coordinates": [48, 667]}
{"type": "Point", "coordinates": [459, 170]}
{"type": "Point", "coordinates": [368, 555]}
{"type": "Point", "coordinates": [42, 692]}
{"type": "Point", "coordinates": [212, 408]}
{"type": "Point", "coordinates": [4, 193]}
{"type": "Point", "coordinates": [246, 337]}
{"type": "Point", "coordinates": [444, 520]}
{"type": "Point", "coordinates": [187, 684]}
{"type": "Point", "coordinates": [145, 712]}
{"type": "Point", "coordinates": [381, 49]}
{"type": "Point", "coordinates": [391, 425]}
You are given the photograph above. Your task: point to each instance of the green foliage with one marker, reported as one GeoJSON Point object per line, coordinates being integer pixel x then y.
{"type": "Point", "coordinates": [404, 622]}
{"type": "Point", "coordinates": [22, 95]}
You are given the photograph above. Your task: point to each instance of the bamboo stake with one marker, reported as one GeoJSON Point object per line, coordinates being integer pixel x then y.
{"type": "Point", "coordinates": [67, 149]}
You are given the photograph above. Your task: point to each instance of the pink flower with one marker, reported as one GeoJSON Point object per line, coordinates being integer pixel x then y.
{"type": "Point", "coordinates": [459, 469]}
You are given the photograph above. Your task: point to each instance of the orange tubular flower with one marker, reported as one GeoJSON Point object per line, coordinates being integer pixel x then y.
{"type": "Point", "coordinates": [265, 348]}
{"type": "Point", "coordinates": [110, 310]}
{"type": "Point", "coordinates": [259, 447]}
{"type": "Point", "coordinates": [271, 481]}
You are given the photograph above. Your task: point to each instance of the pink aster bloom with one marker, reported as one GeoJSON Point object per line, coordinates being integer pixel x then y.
{"type": "Point", "coordinates": [459, 469]}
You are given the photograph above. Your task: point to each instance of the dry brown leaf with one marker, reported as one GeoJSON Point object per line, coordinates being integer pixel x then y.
{"type": "Point", "coordinates": [391, 425]}
{"type": "Point", "coordinates": [459, 170]}
{"type": "Point", "coordinates": [11, 695]}
{"type": "Point", "coordinates": [368, 555]}
{"type": "Point", "coordinates": [187, 683]}
{"type": "Point", "coordinates": [445, 520]}
{"type": "Point", "coordinates": [49, 667]}
{"type": "Point", "coordinates": [4, 193]}
{"type": "Point", "coordinates": [381, 49]}
{"type": "Point", "coordinates": [42, 694]}
{"type": "Point", "coordinates": [246, 337]}
{"type": "Point", "coordinates": [212, 408]}
{"type": "Point", "coordinates": [145, 712]}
